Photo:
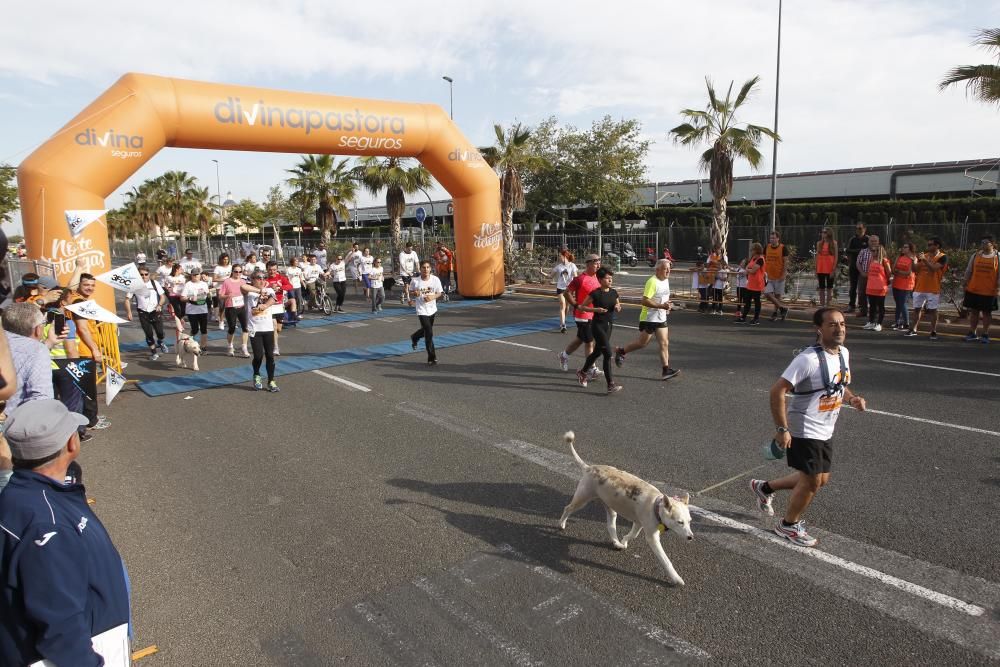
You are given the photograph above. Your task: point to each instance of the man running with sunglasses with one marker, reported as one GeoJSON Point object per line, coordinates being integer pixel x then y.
{"type": "Point", "coordinates": [149, 299]}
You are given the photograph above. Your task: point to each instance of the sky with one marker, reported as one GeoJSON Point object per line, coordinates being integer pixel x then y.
{"type": "Point", "coordinates": [858, 80]}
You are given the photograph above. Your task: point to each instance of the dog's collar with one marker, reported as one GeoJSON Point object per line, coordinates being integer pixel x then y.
{"type": "Point", "coordinates": [656, 516]}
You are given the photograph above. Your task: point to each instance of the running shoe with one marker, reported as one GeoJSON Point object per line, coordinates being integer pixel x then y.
{"type": "Point", "coordinates": [164, 349]}
{"type": "Point", "coordinates": [614, 388]}
{"type": "Point", "coordinates": [910, 333]}
{"type": "Point", "coordinates": [868, 326]}
{"type": "Point", "coordinates": [86, 437]}
{"type": "Point", "coordinates": [582, 378]}
{"type": "Point", "coordinates": [272, 387]}
{"type": "Point", "coordinates": [784, 312]}
{"type": "Point", "coordinates": [222, 325]}
{"type": "Point", "coordinates": [258, 384]}
{"type": "Point", "coordinates": [933, 335]}
{"type": "Point", "coordinates": [971, 338]}
{"type": "Point", "coordinates": [740, 320]}
{"type": "Point", "coordinates": [754, 323]}
{"type": "Point", "coordinates": [985, 339]}
{"type": "Point", "coordinates": [231, 352]}
{"type": "Point", "coordinates": [432, 362]}
{"type": "Point", "coordinates": [562, 329]}
{"type": "Point", "coordinates": [102, 422]}
{"type": "Point", "coordinates": [774, 316]}
{"type": "Point", "coordinates": [592, 375]}
{"type": "Point", "coordinates": [877, 327]}
{"type": "Point", "coordinates": [154, 356]}
{"type": "Point", "coordinates": [619, 357]}
{"type": "Point", "coordinates": [563, 360]}
{"type": "Point", "coordinates": [763, 499]}
{"type": "Point", "coordinates": [413, 344]}
{"type": "Point", "coordinates": [277, 352]}
{"type": "Point", "coordinates": [245, 353]}
{"type": "Point", "coordinates": [669, 373]}
{"type": "Point", "coordinates": [796, 533]}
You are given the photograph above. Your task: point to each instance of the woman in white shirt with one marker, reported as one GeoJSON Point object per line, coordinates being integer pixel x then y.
{"type": "Point", "coordinates": [195, 298]}
{"type": "Point", "coordinates": [563, 272]}
{"type": "Point", "coordinates": [338, 277]}
{"type": "Point", "coordinates": [294, 274]}
{"type": "Point", "coordinates": [219, 274]}
{"type": "Point", "coordinates": [365, 262]}
{"type": "Point", "coordinates": [174, 285]}
{"type": "Point", "coordinates": [259, 301]}
{"type": "Point", "coordinates": [375, 277]}
{"type": "Point", "coordinates": [425, 290]}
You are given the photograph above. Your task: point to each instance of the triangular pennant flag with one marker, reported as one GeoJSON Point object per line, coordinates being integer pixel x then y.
{"type": "Point", "coordinates": [124, 278]}
{"type": "Point", "coordinates": [91, 311]}
{"type": "Point", "coordinates": [113, 383]}
{"type": "Point", "coordinates": [78, 220]}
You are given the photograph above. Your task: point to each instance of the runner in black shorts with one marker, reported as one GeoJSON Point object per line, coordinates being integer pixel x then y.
{"type": "Point", "coordinates": [576, 293]}
{"type": "Point", "coordinates": [811, 456]}
{"type": "Point", "coordinates": [605, 304]}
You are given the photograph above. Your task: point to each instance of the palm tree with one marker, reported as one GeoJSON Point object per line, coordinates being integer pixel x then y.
{"type": "Point", "coordinates": [717, 126]}
{"type": "Point", "coordinates": [318, 179]}
{"type": "Point", "coordinates": [398, 178]}
{"type": "Point", "coordinates": [201, 209]}
{"type": "Point", "coordinates": [511, 157]}
{"type": "Point", "coordinates": [178, 186]}
{"type": "Point", "coordinates": [981, 81]}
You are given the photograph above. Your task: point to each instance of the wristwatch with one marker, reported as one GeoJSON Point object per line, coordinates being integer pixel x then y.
{"type": "Point", "coordinates": [782, 429]}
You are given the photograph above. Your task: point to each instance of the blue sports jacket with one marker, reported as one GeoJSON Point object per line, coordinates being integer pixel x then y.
{"type": "Point", "coordinates": [62, 578]}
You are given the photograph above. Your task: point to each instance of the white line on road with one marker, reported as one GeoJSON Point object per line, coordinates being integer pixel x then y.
{"type": "Point", "coordinates": [940, 368]}
{"type": "Point", "coordinates": [530, 347]}
{"type": "Point", "coordinates": [936, 423]}
{"type": "Point", "coordinates": [352, 385]}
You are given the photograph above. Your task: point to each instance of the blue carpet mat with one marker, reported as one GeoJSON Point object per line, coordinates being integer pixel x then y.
{"type": "Point", "coordinates": [309, 362]}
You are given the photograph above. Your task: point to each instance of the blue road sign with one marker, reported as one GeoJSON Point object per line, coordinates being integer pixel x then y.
{"type": "Point", "coordinates": [420, 214]}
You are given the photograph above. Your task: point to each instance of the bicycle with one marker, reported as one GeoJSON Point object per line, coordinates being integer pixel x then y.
{"type": "Point", "coordinates": [318, 299]}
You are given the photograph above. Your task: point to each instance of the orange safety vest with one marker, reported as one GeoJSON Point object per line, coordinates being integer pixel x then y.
{"type": "Point", "coordinates": [984, 275]}
{"type": "Point", "coordinates": [878, 281]}
{"type": "Point", "coordinates": [927, 280]}
{"type": "Point", "coordinates": [774, 261]}
{"type": "Point", "coordinates": [825, 259]}
{"type": "Point", "coordinates": [755, 281]}
{"type": "Point", "coordinates": [904, 263]}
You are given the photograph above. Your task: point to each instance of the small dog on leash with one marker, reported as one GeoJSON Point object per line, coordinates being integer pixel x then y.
{"type": "Point", "coordinates": [650, 511]}
{"type": "Point", "coordinates": [186, 346]}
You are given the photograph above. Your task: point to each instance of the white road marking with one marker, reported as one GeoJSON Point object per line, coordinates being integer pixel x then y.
{"type": "Point", "coordinates": [352, 385]}
{"type": "Point", "coordinates": [530, 347]}
{"type": "Point", "coordinates": [564, 464]}
{"type": "Point", "coordinates": [940, 368]}
{"type": "Point", "coordinates": [932, 421]}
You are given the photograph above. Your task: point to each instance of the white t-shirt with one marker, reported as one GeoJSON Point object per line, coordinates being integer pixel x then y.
{"type": "Point", "coordinates": [162, 273]}
{"type": "Point", "coordinates": [564, 272]}
{"type": "Point", "coordinates": [294, 275]}
{"type": "Point", "coordinates": [175, 284]}
{"type": "Point", "coordinates": [147, 297]}
{"type": "Point", "coordinates": [140, 258]}
{"type": "Point", "coordinates": [352, 260]}
{"type": "Point", "coordinates": [311, 272]}
{"type": "Point", "coordinates": [695, 284]}
{"type": "Point", "coordinates": [420, 287]}
{"type": "Point", "coordinates": [814, 415]}
{"type": "Point", "coordinates": [250, 267]}
{"type": "Point", "coordinates": [741, 277]}
{"type": "Point", "coordinates": [196, 294]}
{"type": "Point", "coordinates": [376, 276]}
{"type": "Point", "coordinates": [189, 264]}
{"type": "Point", "coordinates": [409, 263]}
{"type": "Point", "coordinates": [221, 272]}
{"type": "Point", "coordinates": [365, 264]}
{"type": "Point", "coordinates": [320, 258]}
{"type": "Point", "coordinates": [657, 291]}
{"type": "Point", "coordinates": [264, 321]}
{"type": "Point", "coordinates": [338, 272]}
{"type": "Point", "coordinates": [722, 275]}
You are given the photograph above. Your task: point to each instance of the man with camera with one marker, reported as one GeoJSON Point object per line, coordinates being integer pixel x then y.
{"type": "Point", "coordinates": [149, 300]}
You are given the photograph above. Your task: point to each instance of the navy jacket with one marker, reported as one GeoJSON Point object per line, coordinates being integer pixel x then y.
{"type": "Point", "coordinates": [62, 578]}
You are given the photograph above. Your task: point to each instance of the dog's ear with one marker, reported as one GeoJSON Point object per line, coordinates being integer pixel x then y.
{"type": "Point", "coordinates": [686, 499]}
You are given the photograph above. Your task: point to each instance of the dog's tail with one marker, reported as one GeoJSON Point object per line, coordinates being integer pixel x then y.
{"type": "Point", "coordinates": [569, 436]}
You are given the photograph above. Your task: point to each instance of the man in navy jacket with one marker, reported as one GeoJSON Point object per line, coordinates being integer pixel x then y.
{"type": "Point", "coordinates": [62, 581]}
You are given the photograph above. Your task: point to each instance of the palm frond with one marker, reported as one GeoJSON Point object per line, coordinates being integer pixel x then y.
{"type": "Point", "coordinates": [982, 82]}
{"type": "Point", "coordinates": [745, 91]}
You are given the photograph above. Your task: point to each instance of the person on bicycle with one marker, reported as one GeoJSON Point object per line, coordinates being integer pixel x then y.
{"type": "Point", "coordinates": [311, 272]}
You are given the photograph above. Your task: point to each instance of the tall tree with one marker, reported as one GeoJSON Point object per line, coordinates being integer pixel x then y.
{"type": "Point", "coordinates": [549, 183]}
{"type": "Point", "coordinates": [8, 192]}
{"type": "Point", "coordinates": [398, 177]}
{"type": "Point", "coordinates": [981, 81]}
{"type": "Point", "coordinates": [177, 186]}
{"type": "Point", "coordinates": [511, 157]}
{"type": "Point", "coordinates": [717, 126]}
{"type": "Point", "coordinates": [246, 212]}
{"type": "Point", "coordinates": [608, 166]}
{"type": "Point", "coordinates": [319, 180]}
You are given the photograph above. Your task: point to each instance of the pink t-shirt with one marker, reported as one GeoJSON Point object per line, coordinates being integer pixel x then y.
{"type": "Point", "coordinates": [582, 286]}
{"type": "Point", "coordinates": [231, 288]}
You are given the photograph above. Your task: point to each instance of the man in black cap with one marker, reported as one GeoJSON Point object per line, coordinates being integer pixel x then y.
{"type": "Point", "coordinates": [66, 594]}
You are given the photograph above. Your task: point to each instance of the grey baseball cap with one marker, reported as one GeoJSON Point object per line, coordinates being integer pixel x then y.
{"type": "Point", "coordinates": [40, 428]}
{"type": "Point", "coordinates": [195, 270]}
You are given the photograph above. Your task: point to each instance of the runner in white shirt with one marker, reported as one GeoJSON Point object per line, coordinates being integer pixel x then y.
{"type": "Point", "coordinates": [188, 262]}
{"type": "Point", "coordinates": [195, 297]}
{"type": "Point", "coordinates": [563, 273]}
{"type": "Point", "coordinates": [149, 300]}
{"type": "Point", "coordinates": [409, 266]}
{"type": "Point", "coordinates": [364, 262]}
{"type": "Point", "coordinates": [424, 292]}
{"type": "Point", "coordinates": [163, 272]}
{"type": "Point", "coordinates": [294, 274]}
{"type": "Point", "coordinates": [252, 264]}
{"type": "Point", "coordinates": [174, 286]}
{"type": "Point", "coordinates": [653, 319]}
{"type": "Point", "coordinates": [140, 257]}
{"type": "Point", "coordinates": [219, 274]}
{"type": "Point", "coordinates": [338, 278]}
{"type": "Point", "coordinates": [817, 379]}
{"type": "Point", "coordinates": [261, 325]}
{"type": "Point", "coordinates": [376, 277]}
{"type": "Point", "coordinates": [311, 273]}
{"type": "Point", "coordinates": [351, 260]}
{"type": "Point", "coordinates": [320, 254]}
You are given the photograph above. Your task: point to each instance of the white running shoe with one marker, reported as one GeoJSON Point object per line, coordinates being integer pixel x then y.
{"type": "Point", "coordinates": [763, 499]}
{"type": "Point", "coordinates": [796, 533]}
{"type": "Point", "coordinates": [245, 353]}
{"type": "Point", "coordinates": [564, 361]}
{"type": "Point", "coordinates": [231, 352]}
{"type": "Point", "coordinates": [277, 352]}
{"type": "Point", "coordinates": [869, 326]}
{"type": "Point", "coordinates": [222, 325]}
{"type": "Point", "coordinates": [877, 327]}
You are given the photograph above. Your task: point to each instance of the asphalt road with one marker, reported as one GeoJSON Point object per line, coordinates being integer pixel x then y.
{"type": "Point", "coordinates": [409, 517]}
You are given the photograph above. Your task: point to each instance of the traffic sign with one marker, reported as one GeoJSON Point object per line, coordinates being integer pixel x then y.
{"type": "Point", "coordinates": [420, 214]}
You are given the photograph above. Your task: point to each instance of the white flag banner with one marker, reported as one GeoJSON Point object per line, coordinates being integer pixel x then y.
{"type": "Point", "coordinates": [113, 383]}
{"type": "Point", "coordinates": [78, 220]}
{"type": "Point", "coordinates": [91, 311]}
{"type": "Point", "coordinates": [124, 278]}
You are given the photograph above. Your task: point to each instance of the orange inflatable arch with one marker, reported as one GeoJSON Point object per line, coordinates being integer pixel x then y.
{"type": "Point", "coordinates": [140, 114]}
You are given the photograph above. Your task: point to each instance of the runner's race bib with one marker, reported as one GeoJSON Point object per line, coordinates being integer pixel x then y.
{"type": "Point", "coordinates": [237, 302]}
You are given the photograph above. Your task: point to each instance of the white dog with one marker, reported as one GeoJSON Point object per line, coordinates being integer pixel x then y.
{"type": "Point", "coordinates": [186, 345]}
{"type": "Point", "coordinates": [638, 501]}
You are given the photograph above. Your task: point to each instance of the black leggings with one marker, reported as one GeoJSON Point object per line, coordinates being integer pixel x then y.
{"type": "Point", "coordinates": [341, 289]}
{"type": "Point", "coordinates": [198, 322]}
{"type": "Point", "coordinates": [262, 343]}
{"type": "Point", "coordinates": [876, 308]}
{"type": "Point", "coordinates": [426, 331]}
{"type": "Point", "coordinates": [151, 324]}
{"type": "Point", "coordinates": [717, 298]}
{"type": "Point", "coordinates": [602, 346]}
{"type": "Point", "coordinates": [234, 315]}
{"type": "Point", "coordinates": [177, 305]}
{"type": "Point", "coordinates": [751, 296]}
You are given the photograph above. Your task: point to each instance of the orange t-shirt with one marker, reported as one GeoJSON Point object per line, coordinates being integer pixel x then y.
{"type": "Point", "coordinates": [984, 275]}
{"type": "Point", "coordinates": [904, 263]}
{"type": "Point", "coordinates": [927, 280]}
{"type": "Point", "coordinates": [444, 262]}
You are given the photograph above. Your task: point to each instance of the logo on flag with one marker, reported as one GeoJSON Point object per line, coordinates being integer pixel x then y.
{"type": "Point", "coordinates": [113, 383]}
{"type": "Point", "coordinates": [78, 220]}
{"type": "Point", "coordinates": [91, 311]}
{"type": "Point", "coordinates": [124, 278]}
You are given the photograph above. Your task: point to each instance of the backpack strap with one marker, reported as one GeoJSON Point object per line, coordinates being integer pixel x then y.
{"type": "Point", "coordinates": [824, 372]}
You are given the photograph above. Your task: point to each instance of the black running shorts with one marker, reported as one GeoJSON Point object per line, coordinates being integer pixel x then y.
{"type": "Point", "coordinates": [651, 327]}
{"type": "Point", "coordinates": [584, 333]}
{"type": "Point", "coordinates": [810, 456]}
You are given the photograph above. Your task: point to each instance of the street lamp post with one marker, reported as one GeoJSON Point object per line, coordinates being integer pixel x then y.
{"type": "Point", "coordinates": [218, 188]}
{"type": "Point", "coordinates": [774, 149]}
{"type": "Point", "coordinates": [451, 96]}
{"type": "Point", "coordinates": [433, 216]}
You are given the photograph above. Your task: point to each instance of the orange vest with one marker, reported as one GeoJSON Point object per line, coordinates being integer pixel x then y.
{"type": "Point", "coordinates": [755, 281]}
{"type": "Point", "coordinates": [824, 258]}
{"type": "Point", "coordinates": [984, 275]}
{"type": "Point", "coordinates": [927, 280]}
{"type": "Point", "coordinates": [774, 261]}
{"type": "Point", "coordinates": [878, 283]}
{"type": "Point", "coordinates": [904, 263]}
